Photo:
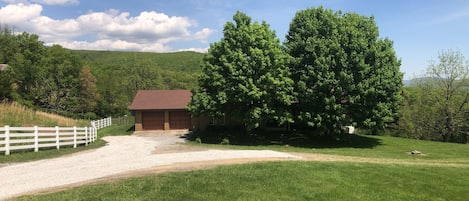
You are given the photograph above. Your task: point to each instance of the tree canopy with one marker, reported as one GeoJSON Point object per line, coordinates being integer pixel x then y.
{"type": "Point", "coordinates": [82, 83]}
{"type": "Point", "coordinates": [344, 73]}
{"type": "Point", "coordinates": [436, 108]}
{"type": "Point", "coordinates": [245, 76]}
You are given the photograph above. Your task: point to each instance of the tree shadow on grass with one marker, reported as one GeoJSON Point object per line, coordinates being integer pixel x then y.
{"type": "Point", "coordinates": [337, 141]}
{"type": "Point", "coordinates": [301, 139]}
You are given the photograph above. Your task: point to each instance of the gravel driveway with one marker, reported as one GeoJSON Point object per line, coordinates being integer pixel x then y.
{"type": "Point", "coordinates": [123, 154]}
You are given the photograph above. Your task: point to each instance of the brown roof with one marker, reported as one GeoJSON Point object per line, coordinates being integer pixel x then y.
{"type": "Point", "coordinates": [161, 99]}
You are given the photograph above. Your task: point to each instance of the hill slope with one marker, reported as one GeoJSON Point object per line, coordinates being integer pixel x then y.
{"type": "Point", "coordinates": [17, 115]}
{"type": "Point", "coordinates": [120, 74]}
{"type": "Point", "coordinates": [177, 61]}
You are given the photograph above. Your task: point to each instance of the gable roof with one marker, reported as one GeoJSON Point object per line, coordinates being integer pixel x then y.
{"type": "Point", "coordinates": [161, 99]}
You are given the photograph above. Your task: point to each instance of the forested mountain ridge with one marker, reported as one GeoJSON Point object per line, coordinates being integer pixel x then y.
{"type": "Point", "coordinates": [86, 84]}
{"type": "Point", "coordinates": [120, 74]}
{"type": "Point", "coordinates": [179, 61]}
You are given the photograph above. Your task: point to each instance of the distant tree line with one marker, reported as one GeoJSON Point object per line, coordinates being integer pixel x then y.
{"type": "Point", "coordinates": [436, 106]}
{"type": "Point", "coordinates": [51, 78]}
{"type": "Point", "coordinates": [83, 84]}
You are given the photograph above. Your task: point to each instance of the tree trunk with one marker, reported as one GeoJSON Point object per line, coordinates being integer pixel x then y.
{"type": "Point", "coordinates": [448, 124]}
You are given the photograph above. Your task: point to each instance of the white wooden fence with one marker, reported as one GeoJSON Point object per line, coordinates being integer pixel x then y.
{"type": "Point", "coordinates": [102, 123]}
{"type": "Point", "coordinates": [18, 138]}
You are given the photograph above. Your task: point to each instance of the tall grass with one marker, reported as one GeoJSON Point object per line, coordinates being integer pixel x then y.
{"type": "Point", "coordinates": [14, 114]}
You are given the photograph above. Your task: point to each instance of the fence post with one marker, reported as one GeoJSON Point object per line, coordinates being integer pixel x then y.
{"type": "Point", "coordinates": [74, 137]}
{"type": "Point", "coordinates": [86, 136]}
{"type": "Point", "coordinates": [36, 139]}
{"type": "Point", "coordinates": [95, 134]}
{"type": "Point", "coordinates": [7, 140]}
{"type": "Point", "coordinates": [57, 139]}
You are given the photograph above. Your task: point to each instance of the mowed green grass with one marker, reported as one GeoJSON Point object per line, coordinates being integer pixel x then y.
{"type": "Point", "coordinates": [369, 146]}
{"type": "Point", "coordinates": [304, 180]}
{"type": "Point", "coordinates": [285, 181]}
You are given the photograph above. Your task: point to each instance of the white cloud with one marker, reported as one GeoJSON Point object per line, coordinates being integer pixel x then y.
{"type": "Point", "coordinates": [202, 50]}
{"type": "Point", "coordinates": [203, 34]}
{"type": "Point", "coordinates": [147, 27]}
{"type": "Point", "coordinates": [112, 29]}
{"type": "Point", "coordinates": [462, 13]}
{"type": "Point", "coordinates": [112, 45]}
{"type": "Point", "coordinates": [16, 1]}
{"type": "Point", "coordinates": [46, 2]}
{"type": "Point", "coordinates": [57, 2]}
{"type": "Point", "coordinates": [10, 14]}
{"type": "Point", "coordinates": [435, 15]}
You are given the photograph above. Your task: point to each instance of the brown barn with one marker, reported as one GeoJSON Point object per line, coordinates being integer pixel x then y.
{"type": "Point", "coordinates": [161, 110]}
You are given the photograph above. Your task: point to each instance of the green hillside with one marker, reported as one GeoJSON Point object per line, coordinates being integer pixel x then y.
{"type": "Point", "coordinates": [120, 74]}
{"type": "Point", "coordinates": [16, 115]}
{"type": "Point", "coordinates": [83, 83]}
{"type": "Point", "coordinates": [178, 61]}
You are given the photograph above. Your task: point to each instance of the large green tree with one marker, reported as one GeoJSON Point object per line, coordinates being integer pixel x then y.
{"type": "Point", "coordinates": [6, 84]}
{"type": "Point", "coordinates": [245, 76]}
{"type": "Point", "coordinates": [8, 44]}
{"type": "Point", "coordinates": [8, 47]}
{"type": "Point", "coordinates": [344, 73]}
{"type": "Point", "coordinates": [26, 60]}
{"type": "Point", "coordinates": [60, 84]}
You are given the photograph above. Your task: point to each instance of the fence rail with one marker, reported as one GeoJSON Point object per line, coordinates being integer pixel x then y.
{"type": "Point", "coordinates": [18, 138]}
{"type": "Point", "coordinates": [34, 138]}
{"type": "Point", "coordinates": [102, 123]}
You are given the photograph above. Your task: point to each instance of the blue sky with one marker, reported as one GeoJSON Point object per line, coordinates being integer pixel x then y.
{"type": "Point", "coordinates": [419, 28]}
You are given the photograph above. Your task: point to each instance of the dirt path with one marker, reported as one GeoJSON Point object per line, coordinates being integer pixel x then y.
{"type": "Point", "coordinates": [129, 156]}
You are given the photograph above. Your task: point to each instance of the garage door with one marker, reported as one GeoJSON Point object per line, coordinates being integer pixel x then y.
{"type": "Point", "coordinates": [179, 120]}
{"type": "Point", "coordinates": [153, 120]}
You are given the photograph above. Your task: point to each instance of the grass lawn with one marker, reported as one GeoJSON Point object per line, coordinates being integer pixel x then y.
{"type": "Point", "coordinates": [285, 181]}
{"type": "Point", "coordinates": [27, 155]}
{"type": "Point", "coordinates": [367, 146]}
{"type": "Point", "coordinates": [301, 180]}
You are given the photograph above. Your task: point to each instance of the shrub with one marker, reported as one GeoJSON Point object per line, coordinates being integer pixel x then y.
{"type": "Point", "coordinates": [225, 141]}
{"type": "Point", "coordinates": [198, 140]}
